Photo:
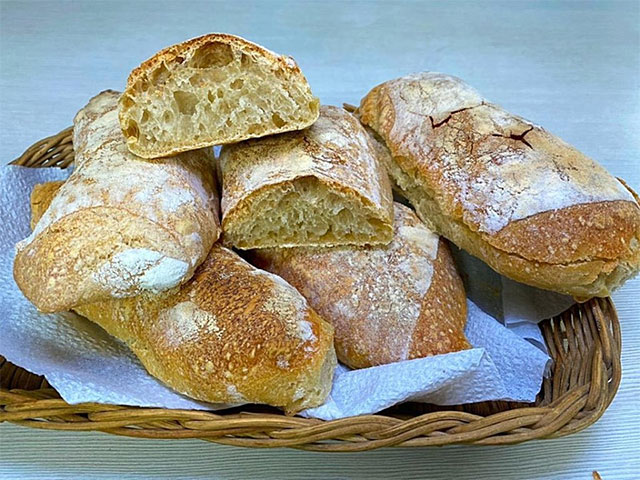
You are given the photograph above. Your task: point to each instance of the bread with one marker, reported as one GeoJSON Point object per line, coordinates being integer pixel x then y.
{"type": "Point", "coordinates": [322, 186]}
{"type": "Point", "coordinates": [231, 334]}
{"type": "Point", "coordinates": [120, 225]}
{"type": "Point", "coordinates": [504, 189]}
{"type": "Point", "coordinates": [41, 197]}
{"type": "Point", "coordinates": [212, 90]}
{"type": "Point", "coordinates": [387, 303]}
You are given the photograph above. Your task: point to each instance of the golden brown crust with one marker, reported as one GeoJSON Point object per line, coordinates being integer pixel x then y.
{"type": "Point", "coordinates": [231, 334]}
{"type": "Point", "coordinates": [41, 197]}
{"type": "Point", "coordinates": [119, 225]}
{"type": "Point", "coordinates": [443, 316]}
{"type": "Point", "coordinates": [387, 303]}
{"type": "Point", "coordinates": [506, 190]}
{"type": "Point", "coordinates": [50, 269]}
{"type": "Point", "coordinates": [174, 53]}
{"type": "Point", "coordinates": [582, 279]}
{"type": "Point", "coordinates": [591, 231]}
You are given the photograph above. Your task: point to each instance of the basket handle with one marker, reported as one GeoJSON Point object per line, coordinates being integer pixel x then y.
{"type": "Point", "coordinates": [53, 151]}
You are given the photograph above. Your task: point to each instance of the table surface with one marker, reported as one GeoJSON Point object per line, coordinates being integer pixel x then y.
{"type": "Point", "coordinates": [573, 67]}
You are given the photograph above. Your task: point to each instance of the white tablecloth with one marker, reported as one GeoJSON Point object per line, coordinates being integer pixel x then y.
{"type": "Point", "coordinates": [573, 67]}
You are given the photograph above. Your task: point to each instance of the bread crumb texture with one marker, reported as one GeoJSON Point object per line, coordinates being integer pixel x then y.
{"type": "Point", "coordinates": [320, 186]}
{"type": "Point", "coordinates": [213, 90]}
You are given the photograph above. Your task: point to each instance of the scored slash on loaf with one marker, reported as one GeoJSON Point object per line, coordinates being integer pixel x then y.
{"type": "Point", "coordinates": [231, 334]}
{"type": "Point", "coordinates": [387, 303]}
{"type": "Point", "coordinates": [120, 225]}
{"type": "Point", "coordinates": [507, 191]}
{"type": "Point", "coordinates": [212, 90]}
{"type": "Point", "coordinates": [321, 186]}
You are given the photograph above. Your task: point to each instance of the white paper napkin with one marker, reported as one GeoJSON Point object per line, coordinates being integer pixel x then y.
{"type": "Point", "coordinates": [501, 366]}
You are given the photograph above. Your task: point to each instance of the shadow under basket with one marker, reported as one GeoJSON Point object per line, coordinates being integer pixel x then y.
{"type": "Point", "coordinates": [583, 343]}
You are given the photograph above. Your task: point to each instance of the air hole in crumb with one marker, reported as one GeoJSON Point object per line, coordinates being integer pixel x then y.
{"type": "Point", "coordinates": [245, 60]}
{"type": "Point", "coordinates": [277, 120]}
{"type": "Point", "coordinates": [160, 75]}
{"type": "Point", "coordinates": [145, 117]}
{"type": "Point", "coordinates": [220, 93]}
{"type": "Point", "coordinates": [167, 116]}
{"type": "Point", "coordinates": [141, 86]}
{"type": "Point", "coordinates": [195, 79]}
{"type": "Point", "coordinates": [210, 96]}
{"type": "Point", "coordinates": [186, 102]}
{"type": "Point", "coordinates": [254, 129]}
{"type": "Point", "coordinates": [228, 123]}
{"type": "Point", "coordinates": [237, 84]}
{"type": "Point", "coordinates": [127, 101]}
{"type": "Point", "coordinates": [132, 130]}
{"type": "Point", "coordinates": [212, 55]}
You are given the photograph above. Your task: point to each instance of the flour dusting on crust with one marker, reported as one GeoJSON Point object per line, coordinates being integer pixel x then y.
{"type": "Point", "coordinates": [187, 322]}
{"type": "Point", "coordinates": [492, 166]}
{"type": "Point", "coordinates": [137, 269]}
{"type": "Point", "coordinates": [175, 193]}
{"type": "Point", "coordinates": [287, 303]}
{"type": "Point", "coordinates": [378, 289]}
{"type": "Point", "coordinates": [335, 149]}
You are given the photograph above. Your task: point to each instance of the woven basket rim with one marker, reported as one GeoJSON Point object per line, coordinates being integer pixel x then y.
{"type": "Point", "coordinates": [584, 343]}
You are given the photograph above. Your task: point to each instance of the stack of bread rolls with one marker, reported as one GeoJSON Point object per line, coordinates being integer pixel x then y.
{"type": "Point", "coordinates": [145, 237]}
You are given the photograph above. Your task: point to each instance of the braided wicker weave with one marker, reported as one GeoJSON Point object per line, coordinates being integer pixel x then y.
{"type": "Point", "coordinates": [584, 343]}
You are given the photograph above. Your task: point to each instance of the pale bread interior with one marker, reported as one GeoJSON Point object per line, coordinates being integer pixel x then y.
{"type": "Point", "coordinates": [304, 212]}
{"type": "Point", "coordinates": [218, 94]}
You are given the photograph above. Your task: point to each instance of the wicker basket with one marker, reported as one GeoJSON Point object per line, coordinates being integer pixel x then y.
{"type": "Point", "coordinates": [584, 343]}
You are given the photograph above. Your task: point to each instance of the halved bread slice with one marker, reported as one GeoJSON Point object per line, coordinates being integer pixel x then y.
{"type": "Point", "coordinates": [322, 186]}
{"type": "Point", "coordinates": [212, 90]}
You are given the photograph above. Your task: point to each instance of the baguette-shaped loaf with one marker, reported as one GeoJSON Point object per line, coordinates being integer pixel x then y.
{"type": "Point", "coordinates": [322, 186]}
{"type": "Point", "coordinates": [212, 90]}
{"type": "Point", "coordinates": [386, 303]}
{"type": "Point", "coordinates": [120, 225]}
{"type": "Point", "coordinates": [504, 189]}
{"type": "Point", "coordinates": [231, 334]}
